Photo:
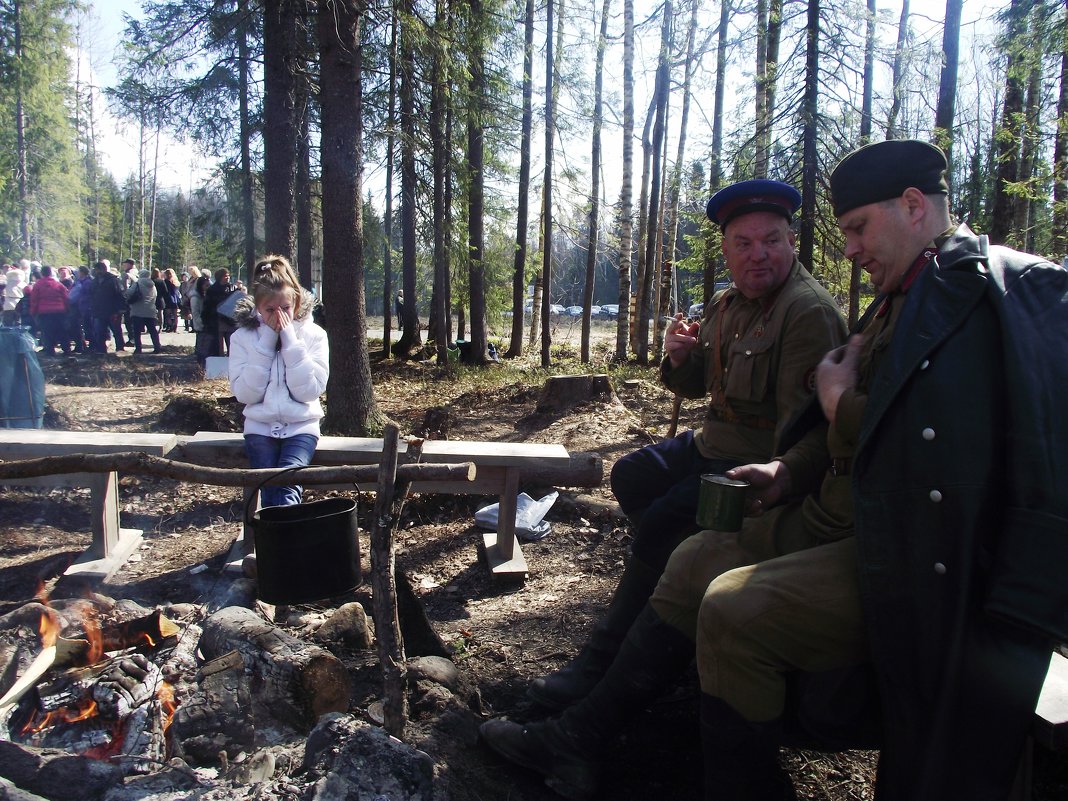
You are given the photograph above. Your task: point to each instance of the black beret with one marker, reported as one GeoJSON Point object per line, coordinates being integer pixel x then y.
{"type": "Point", "coordinates": [758, 194]}
{"type": "Point", "coordinates": [884, 170]}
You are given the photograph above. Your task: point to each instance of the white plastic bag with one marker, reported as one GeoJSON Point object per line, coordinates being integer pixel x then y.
{"type": "Point", "coordinates": [529, 514]}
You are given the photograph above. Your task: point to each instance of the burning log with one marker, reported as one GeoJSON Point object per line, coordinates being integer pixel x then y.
{"type": "Point", "coordinates": [217, 718]}
{"type": "Point", "coordinates": [296, 682]}
{"type": "Point", "coordinates": [143, 744]}
{"type": "Point", "coordinates": [125, 685]}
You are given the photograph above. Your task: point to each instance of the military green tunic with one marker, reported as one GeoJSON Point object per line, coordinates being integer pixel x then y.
{"type": "Point", "coordinates": [756, 362]}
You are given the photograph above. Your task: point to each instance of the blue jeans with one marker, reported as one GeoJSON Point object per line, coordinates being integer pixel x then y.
{"type": "Point", "coordinates": [277, 452]}
{"type": "Point", "coordinates": [661, 483]}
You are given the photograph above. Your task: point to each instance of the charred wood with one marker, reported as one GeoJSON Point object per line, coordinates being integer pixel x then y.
{"type": "Point", "coordinates": [294, 681]}
{"type": "Point", "coordinates": [218, 717]}
{"type": "Point", "coordinates": [55, 774]}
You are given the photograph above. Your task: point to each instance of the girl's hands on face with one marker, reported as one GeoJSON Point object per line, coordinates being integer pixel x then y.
{"type": "Point", "coordinates": [277, 311]}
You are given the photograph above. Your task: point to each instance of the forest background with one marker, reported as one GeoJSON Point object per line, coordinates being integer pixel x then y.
{"type": "Point", "coordinates": [472, 152]}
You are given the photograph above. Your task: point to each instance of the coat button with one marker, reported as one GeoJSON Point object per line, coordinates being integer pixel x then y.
{"type": "Point", "coordinates": [928, 434]}
{"type": "Point", "coordinates": [925, 364]}
{"type": "Point", "coordinates": [940, 568]}
{"type": "Point", "coordinates": [749, 353]}
{"type": "Point", "coordinates": [936, 496]}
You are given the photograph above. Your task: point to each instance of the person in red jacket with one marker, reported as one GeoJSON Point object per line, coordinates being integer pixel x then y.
{"type": "Point", "coordinates": [48, 305]}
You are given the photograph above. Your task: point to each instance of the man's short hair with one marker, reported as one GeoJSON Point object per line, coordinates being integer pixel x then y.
{"type": "Point", "coordinates": [884, 170]}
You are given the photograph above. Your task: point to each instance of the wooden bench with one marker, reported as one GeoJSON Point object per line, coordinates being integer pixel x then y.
{"type": "Point", "coordinates": [111, 545]}
{"type": "Point", "coordinates": [499, 465]}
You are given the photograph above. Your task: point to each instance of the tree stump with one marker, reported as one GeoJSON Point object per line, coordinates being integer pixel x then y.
{"type": "Point", "coordinates": [563, 391]}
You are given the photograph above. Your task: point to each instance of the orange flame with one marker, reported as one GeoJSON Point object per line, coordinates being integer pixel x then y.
{"type": "Point", "coordinates": [49, 628]}
{"type": "Point", "coordinates": [96, 641]}
{"type": "Point", "coordinates": [168, 704]}
{"type": "Point", "coordinates": [65, 714]}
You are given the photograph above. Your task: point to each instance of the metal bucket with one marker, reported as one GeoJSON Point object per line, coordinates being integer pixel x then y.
{"type": "Point", "coordinates": [307, 551]}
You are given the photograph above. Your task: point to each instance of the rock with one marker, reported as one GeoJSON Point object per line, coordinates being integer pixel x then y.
{"type": "Point", "coordinates": [349, 625]}
{"type": "Point", "coordinates": [350, 760]}
{"type": "Point", "coordinates": [255, 770]}
{"type": "Point", "coordinates": [437, 669]}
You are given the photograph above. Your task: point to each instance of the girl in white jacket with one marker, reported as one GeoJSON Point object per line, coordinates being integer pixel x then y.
{"type": "Point", "coordinates": [279, 366]}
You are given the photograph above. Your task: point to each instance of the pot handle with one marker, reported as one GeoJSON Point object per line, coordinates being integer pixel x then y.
{"type": "Point", "coordinates": [256, 492]}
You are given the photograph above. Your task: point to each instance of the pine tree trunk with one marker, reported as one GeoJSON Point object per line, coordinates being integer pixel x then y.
{"type": "Point", "coordinates": [351, 407]}
{"type": "Point", "coordinates": [476, 190]}
{"type": "Point", "coordinates": [547, 189]}
{"type": "Point", "coordinates": [280, 125]}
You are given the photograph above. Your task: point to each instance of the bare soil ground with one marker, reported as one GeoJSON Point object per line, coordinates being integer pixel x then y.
{"type": "Point", "coordinates": [501, 635]}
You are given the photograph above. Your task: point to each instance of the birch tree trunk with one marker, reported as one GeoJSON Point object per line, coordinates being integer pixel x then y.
{"type": "Point", "coordinates": [547, 189]}
{"type": "Point", "coordinates": [595, 184]}
{"type": "Point", "coordinates": [625, 210]}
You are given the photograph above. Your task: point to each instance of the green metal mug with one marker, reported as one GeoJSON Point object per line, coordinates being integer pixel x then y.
{"type": "Point", "coordinates": [721, 503]}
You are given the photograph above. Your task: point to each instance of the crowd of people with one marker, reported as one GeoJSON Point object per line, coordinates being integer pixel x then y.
{"type": "Point", "coordinates": [106, 309]}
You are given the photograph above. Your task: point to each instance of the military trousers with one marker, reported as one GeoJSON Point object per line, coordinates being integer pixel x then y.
{"type": "Point", "coordinates": [761, 603]}
{"type": "Point", "coordinates": [662, 482]}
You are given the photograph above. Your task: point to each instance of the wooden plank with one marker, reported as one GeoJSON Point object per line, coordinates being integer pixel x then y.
{"type": "Point", "coordinates": [16, 443]}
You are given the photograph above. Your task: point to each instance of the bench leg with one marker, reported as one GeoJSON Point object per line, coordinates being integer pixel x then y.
{"type": "Point", "coordinates": [502, 548]}
{"type": "Point", "coordinates": [112, 545]}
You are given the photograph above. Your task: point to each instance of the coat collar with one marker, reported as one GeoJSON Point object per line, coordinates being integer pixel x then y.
{"type": "Point", "coordinates": [940, 299]}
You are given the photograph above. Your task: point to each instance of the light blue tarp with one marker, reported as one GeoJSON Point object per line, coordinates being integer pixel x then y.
{"type": "Point", "coordinates": [22, 384]}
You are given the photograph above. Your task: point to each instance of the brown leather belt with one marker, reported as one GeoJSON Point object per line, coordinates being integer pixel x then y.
{"type": "Point", "coordinates": [841, 466]}
{"type": "Point", "coordinates": [744, 420]}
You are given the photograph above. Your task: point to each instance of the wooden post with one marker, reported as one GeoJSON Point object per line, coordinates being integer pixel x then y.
{"type": "Point", "coordinates": [384, 591]}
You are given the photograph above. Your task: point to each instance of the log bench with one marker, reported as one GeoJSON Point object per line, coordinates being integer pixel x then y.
{"type": "Point", "coordinates": [111, 545]}
{"type": "Point", "coordinates": [499, 467]}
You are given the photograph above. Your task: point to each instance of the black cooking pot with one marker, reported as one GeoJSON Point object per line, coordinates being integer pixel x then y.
{"type": "Point", "coordinates": [307, 551]}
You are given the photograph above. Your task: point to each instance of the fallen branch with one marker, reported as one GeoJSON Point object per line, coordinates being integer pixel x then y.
{"type": "Point", "coordinates": [141, 463]}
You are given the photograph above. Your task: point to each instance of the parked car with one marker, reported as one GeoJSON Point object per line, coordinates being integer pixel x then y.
{"type": "Point", "coordinates": [697, 310]}
{"type": "Point", "coordinates": [610, 311]}
{"type": "Point", "coordinates": [556, 308]}
{"type": "Point", "coordinates": [573, 311]}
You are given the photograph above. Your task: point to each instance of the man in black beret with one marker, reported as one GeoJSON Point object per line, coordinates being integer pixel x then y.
{"type": "Point", "coordinates": [941, 523]}
{"type": "Point", "coordinates": [753, 355]}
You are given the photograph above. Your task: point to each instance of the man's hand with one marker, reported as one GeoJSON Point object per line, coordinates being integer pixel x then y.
{"type": "Point", "coordinates": [837, 373]}
{"type": "Point", "coordinates": [768, 484]}
{"type": "Point", "coordinates": [680, 339]}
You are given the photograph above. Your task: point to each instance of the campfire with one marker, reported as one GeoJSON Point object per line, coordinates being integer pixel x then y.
{"type": "Point", "coordinates": [103, 695]}
{"type": "Point", "coordinates": [104, 699]}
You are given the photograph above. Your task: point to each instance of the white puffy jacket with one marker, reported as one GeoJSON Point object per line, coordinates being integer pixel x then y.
{"type": "Point", "coordinates": [279, 378]}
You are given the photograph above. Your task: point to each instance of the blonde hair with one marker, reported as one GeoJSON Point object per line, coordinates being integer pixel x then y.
{"type": "Point", "coordinates": [273, 274]}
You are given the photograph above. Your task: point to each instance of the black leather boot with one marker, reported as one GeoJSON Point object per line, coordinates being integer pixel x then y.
{"type": "Point", "coordinates": [568, 750]}
{"type": "Point", "coordinates": [741, 759]}
{"type": "Point", "coordinates": [573, 681]}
